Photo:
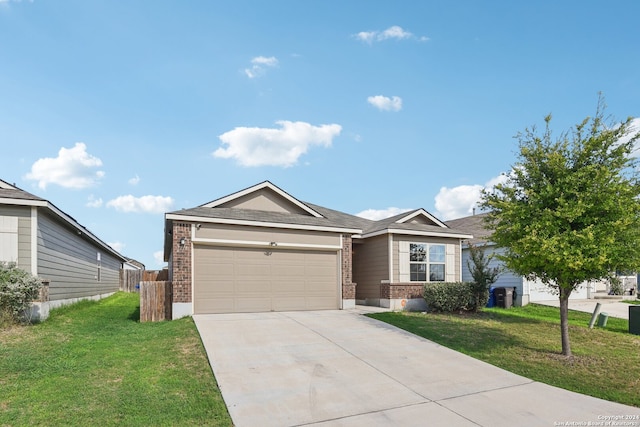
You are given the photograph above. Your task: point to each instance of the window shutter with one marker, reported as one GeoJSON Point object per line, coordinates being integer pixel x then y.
{"type": "Point", "coordinates": [8, 238]}
{"type": "Point", "coordinates": [403, 261]}
{"type": "Point", "coordinates": [450, 263]}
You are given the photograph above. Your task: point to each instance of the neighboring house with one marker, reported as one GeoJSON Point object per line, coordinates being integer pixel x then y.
{"type": "Point", "coordinates": [132, 264]}
{"type": "Point", "coordinates": [261, 249]}
{"type": "Point", "coordinates": [527, 290]}
{"type": "Point", "coordinates": [51, 245]}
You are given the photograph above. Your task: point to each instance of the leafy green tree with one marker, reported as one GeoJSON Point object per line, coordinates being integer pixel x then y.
{"type": "Point", "coordinates": [483, 275]}
{"type": "Point", "coordinates": [569, 211]}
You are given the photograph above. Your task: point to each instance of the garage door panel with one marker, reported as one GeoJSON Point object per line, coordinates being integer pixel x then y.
{"type": "Point", "coordinates": [251, 305]}
{"type": "Point", "coordinates": [248, 280]}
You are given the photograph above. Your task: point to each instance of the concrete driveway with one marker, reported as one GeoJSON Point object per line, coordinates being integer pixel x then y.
{"type": "Point", "coordinates": [340, 368]}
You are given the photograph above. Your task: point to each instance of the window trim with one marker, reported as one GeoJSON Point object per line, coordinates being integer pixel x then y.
{"type": "Point", "coordinates": [428, 263]}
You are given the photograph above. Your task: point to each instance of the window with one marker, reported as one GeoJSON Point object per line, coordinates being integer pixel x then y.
{"type": "Point", "coordinates": [99, 265]}
{"type": "Point", "coordinates": [426, 261]}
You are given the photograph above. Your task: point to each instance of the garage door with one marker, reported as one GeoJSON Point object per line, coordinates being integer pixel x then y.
{"type": "Point", "coordinates": [228, 280]}
{"type": "Point", "coordinates": [538, 291]}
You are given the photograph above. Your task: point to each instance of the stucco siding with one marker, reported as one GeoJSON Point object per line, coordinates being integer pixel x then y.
{"type": "Point", "coordinates": [70, 262]}
{"type": "Point", "coordinates": [370, 266]}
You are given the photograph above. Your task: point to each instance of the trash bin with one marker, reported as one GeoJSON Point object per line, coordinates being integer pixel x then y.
{"type": "Point", "coordinates": [602, 319]}
{"type": "Point", "coordinates": [504, 297]}
{"type": "Point", "coordinates": [634, 319]}
{"type": "Point", "coordinates": [492, 298]}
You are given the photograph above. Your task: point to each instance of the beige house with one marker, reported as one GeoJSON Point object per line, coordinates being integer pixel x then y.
{"type": "Point", "coordinates": [261, 249]}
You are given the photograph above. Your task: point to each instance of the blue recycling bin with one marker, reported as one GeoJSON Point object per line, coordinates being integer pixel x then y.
{"type": "Point", "coordinates": [492, 298]}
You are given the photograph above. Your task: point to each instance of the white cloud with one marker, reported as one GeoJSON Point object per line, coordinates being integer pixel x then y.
{"type": "Point", "coordinates": [118, 246]}
{"type": "Point", "coordinates": [366, 36]}
{"type": "Point", "coordinates": [259, 66]}
{"type": "Point", "coordinates": [378, 214]}
{"type": "Point", "coordinates": [460, 201]}
{"type": "Point", "coordinates": [135, 180]}
{"type": "Point", "coordinates": [274, 147]}
{"type": "Point", "coordinates": [145, 204]}
{"type": "Point", "coordinates": [384, 103]}
{"type": "Point", "coordinates": [73, 168]}
{"type": "Point", "coordinates": [92, 202]}
{"type": "Point", "coordinates": [158, 256]}
{"type": "Point", "coordinates": [393, 32]}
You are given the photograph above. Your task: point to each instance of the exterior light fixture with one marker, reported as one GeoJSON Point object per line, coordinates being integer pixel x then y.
{"type": "Point", "coordinates": [183, 241]}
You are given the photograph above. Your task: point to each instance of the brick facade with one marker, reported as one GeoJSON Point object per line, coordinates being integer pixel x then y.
{"type": "Point", "coordinates": [348, 287]}
{"type": "Point", "coordinates": [181, 262]}
{"type": "Point", "coordinates": [401, 290]}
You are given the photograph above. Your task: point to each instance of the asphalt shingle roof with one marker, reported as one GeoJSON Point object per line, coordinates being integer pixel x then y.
{"type": "Point", "coordinates": [331, 218]}
{"type": "Point", "coordinates": [474, 225]}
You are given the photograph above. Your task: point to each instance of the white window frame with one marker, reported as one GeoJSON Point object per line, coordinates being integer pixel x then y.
{"type": "Point", "coordinates": [427, 262]}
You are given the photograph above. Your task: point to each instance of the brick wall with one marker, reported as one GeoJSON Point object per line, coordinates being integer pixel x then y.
{"type": "Point", "coordinates": [181, 262]}
{"type": "Point", "coordinates": [401, 290]}
{"type": "Point", "coordinates": [348, 287]}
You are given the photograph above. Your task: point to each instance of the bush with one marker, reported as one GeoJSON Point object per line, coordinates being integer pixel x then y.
{"type": "Point", "coordinates": [449, 296]}
{"type": "Point", "coordinates": [615, 286]}
{"type": "Point", "coordinates": [483, 275]}
{"type": "Point", "coordinates": [18, 289]}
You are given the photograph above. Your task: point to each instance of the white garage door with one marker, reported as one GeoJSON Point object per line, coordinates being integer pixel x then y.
{"type": "Point", "coordinates": [228, 280]}
{"type": "Point", "coordinates": [538, 291]}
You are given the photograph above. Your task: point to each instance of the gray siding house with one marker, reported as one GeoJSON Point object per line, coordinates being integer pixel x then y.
{"type": "Point", "coordinates": [527, 290]}
{"type": "Point", "coordinates": [51, 245]}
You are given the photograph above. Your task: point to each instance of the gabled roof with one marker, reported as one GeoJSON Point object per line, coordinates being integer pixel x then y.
{"type": "Point", "coordinates": [406, 223]}
{"type": "Point", "coordinates": [232, 210]}
{"type": "Point", "coordinates": [263, 185]}
{"type": "Point", "coordinates": [12, 195]}
{"type": "Point", "coordinates": [9, 192]}
{"type": "Point", "coordinates": [421, 213]}
{"type": "Point", "coordinates": [474, 224]}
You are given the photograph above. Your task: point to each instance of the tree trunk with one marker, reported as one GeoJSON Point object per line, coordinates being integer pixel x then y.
{"type": "Point", "coordinates": [564, 320]}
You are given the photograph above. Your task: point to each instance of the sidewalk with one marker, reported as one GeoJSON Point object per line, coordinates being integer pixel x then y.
{"type": "Point", "coordinates": [613, 307]}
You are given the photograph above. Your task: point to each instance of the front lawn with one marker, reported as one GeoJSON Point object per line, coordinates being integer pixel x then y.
{"type": "Point", "coordinates": [93, 363]}
{"type": "Point", "coordinates": [526, 341]}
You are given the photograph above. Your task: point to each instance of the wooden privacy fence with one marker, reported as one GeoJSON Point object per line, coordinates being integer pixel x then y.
{"type": "Point", "coordinates": [129, 280]}
{"type": "Point", "coordinates": [155, 275]}
{"type": "Point", "coordinates": [155, 301]}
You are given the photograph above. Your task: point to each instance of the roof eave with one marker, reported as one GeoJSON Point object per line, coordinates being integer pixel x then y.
{"type": "Point", "coordinates": [417, 233]}
{"type": "Point", "coordinates": [329, 228]}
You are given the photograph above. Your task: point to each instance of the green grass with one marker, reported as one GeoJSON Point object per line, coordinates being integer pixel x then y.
{"type": "Point", "coordinates": [632, 301]}
{"type": "Point", "coordinates": [93, 363]}
{"type": "Point", "coordinates": [526, 341]}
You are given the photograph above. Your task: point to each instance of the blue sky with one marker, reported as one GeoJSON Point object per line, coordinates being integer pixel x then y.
{"type": "Point", "coordinates": [119, 111]}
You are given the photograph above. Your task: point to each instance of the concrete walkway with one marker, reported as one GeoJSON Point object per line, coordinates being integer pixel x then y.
{"type": "Point", "coordinates": [613, 307]}
{"type": "Point", "coordinates": [339, 368]}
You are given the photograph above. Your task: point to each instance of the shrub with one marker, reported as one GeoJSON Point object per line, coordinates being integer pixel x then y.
{"type": "Point", "coordinates": [449, 296]}
{"type": "Point", "coordinates": [18, 289]}
{"type": "Point", "coordinates": [483, 275]}
{"type": "Point", "coordinates": [616, 286]}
